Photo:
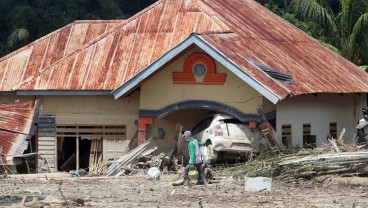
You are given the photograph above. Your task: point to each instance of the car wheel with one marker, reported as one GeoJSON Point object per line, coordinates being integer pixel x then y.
{"type": "Point", "coordinates": [212, 154]}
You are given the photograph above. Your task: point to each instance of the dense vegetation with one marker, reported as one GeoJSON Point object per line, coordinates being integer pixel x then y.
{"type": "Point", "coordinates": [341, 25]}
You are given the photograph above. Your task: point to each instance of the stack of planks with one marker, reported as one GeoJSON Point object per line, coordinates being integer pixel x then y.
{"type": "Point", "coordinates": [118, 167]}
{"type": "Point", "coordinates": [95, 158]}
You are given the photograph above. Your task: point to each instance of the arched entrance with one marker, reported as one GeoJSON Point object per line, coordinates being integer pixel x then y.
{"type": "Point", "coordinates": [199, 104]}
{"type": "Point", "coordinates": [187, 113]}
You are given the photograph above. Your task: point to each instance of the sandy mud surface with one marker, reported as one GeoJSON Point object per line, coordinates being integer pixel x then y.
{"type": "Point", "coordinates": [137, 191]}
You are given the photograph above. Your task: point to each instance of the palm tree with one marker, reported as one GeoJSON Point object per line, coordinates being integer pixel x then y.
{"type": "Point", "coordinates": [346, 29]}
{"type": "Point", "coordinates": [18, 37]}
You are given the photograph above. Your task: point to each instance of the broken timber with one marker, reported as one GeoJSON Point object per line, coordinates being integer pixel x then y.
{"type": "Point", "coordinates": [270, 134]}
{"type": "Point", "coordinates": [326, 164]}
{"type": "Point", "coordinates": [131, 157]}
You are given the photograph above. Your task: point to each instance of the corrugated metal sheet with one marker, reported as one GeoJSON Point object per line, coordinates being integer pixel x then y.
{"type": "Point", "coordinates": [266, 38]}
{"type": "Point", "coordinates": [16, 125]}
{"type": "Point", "coordinates": [119, 55]}
{"type": "Point", "coordinates": [32, 58]}
{"type": "Point", "coordinates": [257, 35]}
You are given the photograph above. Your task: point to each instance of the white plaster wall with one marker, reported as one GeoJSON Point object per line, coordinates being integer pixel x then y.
{"type": "Point", "coordinates": [319, 111]}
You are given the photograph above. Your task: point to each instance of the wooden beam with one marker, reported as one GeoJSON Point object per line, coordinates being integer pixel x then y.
{"type": "Point", "coordinates": [77, 154]}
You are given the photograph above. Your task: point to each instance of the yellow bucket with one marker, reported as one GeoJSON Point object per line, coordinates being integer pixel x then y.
{"type": "Point", "coordinates": [193, 174]}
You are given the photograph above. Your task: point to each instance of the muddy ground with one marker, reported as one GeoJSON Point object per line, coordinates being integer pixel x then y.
{"type": "Point", "coordinates": [137, 191]}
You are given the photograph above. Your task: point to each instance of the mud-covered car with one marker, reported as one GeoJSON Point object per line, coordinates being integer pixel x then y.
{"type": "Point", "coordinates": [227, 137]}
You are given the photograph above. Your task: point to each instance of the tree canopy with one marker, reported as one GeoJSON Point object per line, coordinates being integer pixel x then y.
{"type": "Point", "coordinates": [345, 28]}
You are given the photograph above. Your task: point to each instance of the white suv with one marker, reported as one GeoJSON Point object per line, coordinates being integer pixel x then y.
{"type": "Point", "coordinates": [222, 133]}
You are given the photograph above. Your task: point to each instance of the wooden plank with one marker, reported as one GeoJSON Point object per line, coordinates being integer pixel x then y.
{"type": "Point", "coordinates": [88, 131]}
{"type": "Point", "coordinates": [46, 134]}
{"type": "Point", "coordinates": [47, 156]}
{"type": "Point", "coordinates": [41, 148]}
{"type": "Point", "coordinates": [114, 137]}
{"type": "Point", "coordinates": [43, 155]}
{"type": "Point", "coordinates": [46, 143]}
{"type": "Point", "coordinates": [93, 136]}
{"type": "Point", "coordinates": [46, 139]}
{"type": "Point", "coordinates": [47, 152]}
{"type": "Point", "coordinates": [77, 148]}
{"type": "Point", "coordinates": [96, 129]}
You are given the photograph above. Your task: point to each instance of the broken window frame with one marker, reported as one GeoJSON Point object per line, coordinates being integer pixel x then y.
{"type": "Point", "coordinates": [286, 134]}
{"type": "Point", "coordinates": [333, 130]}
{"type": "Point", "coordinates": [309, 140]}
{"type": "Point", "coordinates": [107, 133]}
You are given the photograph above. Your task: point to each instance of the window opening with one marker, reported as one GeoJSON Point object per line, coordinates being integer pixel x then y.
{"type": "Point", "coordinates": [309, 141]}
{"type": "Point", "coordinates": [333, 130]}
{"type": "Point", "coordinates": [286, 135]}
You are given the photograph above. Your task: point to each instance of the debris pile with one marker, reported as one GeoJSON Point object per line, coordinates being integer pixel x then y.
{"type": "Point", "coordinates": [331, 159]}
{"type": "Point", "coordinates": [125, 164]}
{"type": "Point", "coordinates": [141, 158]}
{"type": "Point", "coordinates": [161, 161]}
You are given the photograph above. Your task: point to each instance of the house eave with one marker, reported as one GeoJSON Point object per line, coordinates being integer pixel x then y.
{"type": "Point", "coordinates": [62, 92]}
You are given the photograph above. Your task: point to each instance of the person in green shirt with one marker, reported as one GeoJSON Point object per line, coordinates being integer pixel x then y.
{"type": "Point", "coordinates": [195, 159]}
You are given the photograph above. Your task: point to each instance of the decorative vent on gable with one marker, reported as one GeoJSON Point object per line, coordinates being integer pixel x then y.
{"type": "Point", "coordinates": [199, 69]}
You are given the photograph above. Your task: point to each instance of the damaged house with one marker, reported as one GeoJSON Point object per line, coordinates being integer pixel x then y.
{"type": "Point", "coordinates": [17, 130]}
{"type": "Point", "coordinates": [105, 86]}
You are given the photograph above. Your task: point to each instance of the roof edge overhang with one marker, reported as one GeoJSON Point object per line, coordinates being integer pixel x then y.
{"type": "Point", "coordinates": [7, 93]}
{"type": "Point", "coordinates": [194, 39]}
{"type": "Point", "coordinates": [62, 92]}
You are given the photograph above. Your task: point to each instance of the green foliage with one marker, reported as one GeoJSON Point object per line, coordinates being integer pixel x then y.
{"type": "Point", "coordinates": [345, 27]}
{"type": "Point", "coordinates": [278, 7]}
{"type": "Point", "coordinates": [18, 36]}
{"type": "Point", "coordinates": [310, 28]}
{"type": "Point", "coordinates": [341, 25]}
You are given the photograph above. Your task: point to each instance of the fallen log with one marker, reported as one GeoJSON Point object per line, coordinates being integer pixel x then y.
{"type": "Point", "coordinates": [342, 181]}
{"type": "Point", "coordinates": [305, 166]}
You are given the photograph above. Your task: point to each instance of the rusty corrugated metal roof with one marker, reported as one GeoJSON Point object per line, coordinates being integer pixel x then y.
{"type": "Point", "coordinates": [32, 58]}
{"type": "Point", "coordinates": [120, 54]}
{"type": "Point", "coordinates": [266, 38]}
{"type": "Point", "coordinates": [16, 125]}
{"type": "Point", "coordinates": [257, 35]}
